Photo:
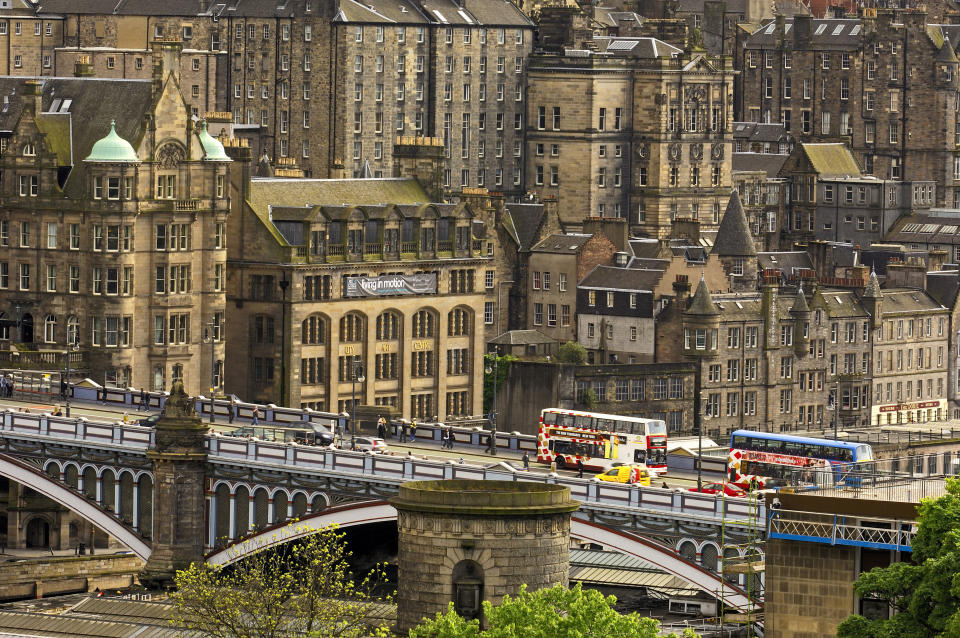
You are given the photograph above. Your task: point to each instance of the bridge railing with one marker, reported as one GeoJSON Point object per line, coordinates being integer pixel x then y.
{"type": "Point", "coordinates": [833, 529]}
{"type": "Point", "coordinates": [42, 424]}
{"type": "Point", "coordinates": [410, 468]}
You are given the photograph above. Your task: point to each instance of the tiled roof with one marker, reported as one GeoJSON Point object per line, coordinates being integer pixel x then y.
{"type": "Point", "coordinates": [636, 47]}
{"type": "Point", "coordinates": [645, 247]}
{"type": "Point", "coordinates": [760, 132]}
{"type": "Point", "coordinates": [526, 222]}
{"type": "Point", "coordinates": [831, 160]}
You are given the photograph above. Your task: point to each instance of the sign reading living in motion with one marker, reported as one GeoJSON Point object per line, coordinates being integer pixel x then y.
{"type": "Point", "coordinates": [387, 285]}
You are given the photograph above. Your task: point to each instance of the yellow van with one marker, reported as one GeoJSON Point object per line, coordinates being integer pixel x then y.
{"type": "Point", "coordinates": [637, 474]}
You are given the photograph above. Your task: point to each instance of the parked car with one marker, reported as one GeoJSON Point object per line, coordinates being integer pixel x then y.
{"type": "Point", "coordinates": [149, 421]}
{"type": "Point", "coordinates": [636, 474]}
{"type": "Point", "coordinates": [717, 488]}
{"type": "Point", "coordinates": [370, 444]}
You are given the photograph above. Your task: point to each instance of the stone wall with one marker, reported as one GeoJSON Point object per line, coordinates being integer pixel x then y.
{"type": "Point", "coordinates": [47, 576]}
{"type": "Point", "coordinates": [809, 588]}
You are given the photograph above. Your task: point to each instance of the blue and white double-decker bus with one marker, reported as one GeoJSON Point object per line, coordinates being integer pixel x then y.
{"type": "Point", "coordinates": [766, 459]}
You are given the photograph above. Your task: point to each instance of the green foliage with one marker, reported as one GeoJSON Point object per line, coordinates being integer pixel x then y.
{"type": "Point", "coordinates": [499, 367]}
{"type": "Point", "coordinates": [572, 352]}
{"type": "Point", "coordinates": [294, 589]}
{"type": "Point", "coordinates": [924, 593]}
{"type": "Point", "coordinates": [557, 612]}
{"type": "Point", "coordinates": [589, 399]}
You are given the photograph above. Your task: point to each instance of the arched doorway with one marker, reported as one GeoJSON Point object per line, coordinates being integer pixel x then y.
{"type": "Point", "coordinates": [26, 328]}
{"type": "Point", "coordinates": [38, 533]}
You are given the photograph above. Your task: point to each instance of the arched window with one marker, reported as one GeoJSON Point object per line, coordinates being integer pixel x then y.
{"type": "Point", "coordinates": [351, 327]}
{"type": "Point", "coordinates": [4, 327]}
{"type": "Point", "coordinates": [29, 150]}
{"type": "Point", "coordinates": [50, 329]}
{"type": "Point", "coordinates": [313, 330]}
{"type": "Point", "coordinates": [388, 326]}
{"type": "Point", "coordinates": [458, 322]}
{"type": "Point", "coordinates": [422, 324]}
{"type": "Point", "coordinates": [73, 330]}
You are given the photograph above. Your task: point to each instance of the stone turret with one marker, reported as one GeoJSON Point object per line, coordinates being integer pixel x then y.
{"type": "Point", "coordinates": [734, 246]}
{"type": "Point", "coordinates": [701, 324]}
{"type": "Point", "coordinates": [801, 324]}
{"type": "Point", "coordinates": [873, 300]}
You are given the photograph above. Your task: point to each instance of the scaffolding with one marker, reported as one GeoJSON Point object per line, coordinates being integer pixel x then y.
{"type": "Point", "coordinates": [744, 558]}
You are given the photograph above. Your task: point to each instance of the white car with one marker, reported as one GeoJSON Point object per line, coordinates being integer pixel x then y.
{"type": "Point", "coordinates": [370, 444]}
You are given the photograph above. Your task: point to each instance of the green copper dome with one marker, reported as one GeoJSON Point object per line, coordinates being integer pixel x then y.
{"type": "Point", "coordinates": [212, 148]}
{"type": "Point", "coordinates": [112, 148]}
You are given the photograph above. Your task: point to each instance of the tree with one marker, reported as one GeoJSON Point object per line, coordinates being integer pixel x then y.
{"type": "Point", "coordinates": [589, 399]}
{"type": "Point", "coordinates": [299, 588]}
{"type": "Point", "coordinates": [925, 592]}
{"type": "Point", "coordinates": [556, 612]}
{"type": "Point", "coordinates": [572, 352]}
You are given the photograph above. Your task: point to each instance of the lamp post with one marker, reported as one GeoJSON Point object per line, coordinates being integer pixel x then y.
{"type": "Point", "coordinates": [71, 347]}
{"type": "Point", "coordinates": [356, 376]}
{"type": "Point", "coordinates": [211, 339]}
{"type": "Point", "coordinates": [492, 442]}
{"type": "Point", "coordinates": [284, 284]}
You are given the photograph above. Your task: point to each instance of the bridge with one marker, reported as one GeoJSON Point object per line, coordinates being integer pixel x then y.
{"type": "Point", "coordinates": [252, 493]}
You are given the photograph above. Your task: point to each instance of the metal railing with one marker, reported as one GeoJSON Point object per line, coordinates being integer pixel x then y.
{"type": "Point", "coordinates": [864, 481]}
{"type": "Point", "coordinates": [818, 527]}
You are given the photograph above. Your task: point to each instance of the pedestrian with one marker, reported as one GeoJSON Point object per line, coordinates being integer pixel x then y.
{"type": "Point", "coordinates": [579, 468]}
{"type": "Point", "coordinates": [490, 444]}
{"type": "Point", "coordinates": [340, 430]}
{"type": "Point", "coordinates": [144, 400]}
{"type": "Point", "coordinates": [126, 418]}
{"type": "Point", "coordinates": [665, 486]}
{"type": "Point", "coordinates": [403, 432]}
{"type": "Point", "coordinates": [461, 460]}
{"type": "Point", "coordinates": [413, 431]}
{"type": "Point", "coordinates": [102, 394]}
{"type": "Point", "coordinates": [63, 388]}
{"type": "Point", "coordinates": [526, 460]}
{"type": "Point", "coordinates": [256, 415]}
{"type": "Point", "coordinates": [10, 386]}
{"type": "Point", "coordinates": [451, 437]}
{"type": "Point", "coordinates": [381, 427]}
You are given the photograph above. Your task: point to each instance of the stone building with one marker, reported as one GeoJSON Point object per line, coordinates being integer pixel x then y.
{"type": "Point", "coordinates": [911, 351]}
{"type": "Point", "coordinates": [857, 81]}
{"type": "Point", "coordinates": [833, 201]}
{"type": "Point", "coordinates": [773, 360]}
{"type": "Point", "coordinates": [555, 267]}
{"type": "Point", "coordinates": [615, 314]}
{"type": "Point", "coordinates": [638, 129]}
{"type": "Point", "coordinates": [335, 279]}
{"type": "Point", "coordinates": [331, 85]}
{"type": "Point", "coordinates": [652, 390]}
{"type": "Point", "coordinates": [114, 228]}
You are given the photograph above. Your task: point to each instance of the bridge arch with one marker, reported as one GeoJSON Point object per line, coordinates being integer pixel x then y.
{"type": "Point", "coordinates": [83, 507]}
{"type": "Point", "coordinates": [381, 511]}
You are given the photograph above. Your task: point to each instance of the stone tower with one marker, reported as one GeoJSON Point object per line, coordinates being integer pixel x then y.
{"type": "Point", "coordinates": [179, 456]}
{"type": "Point", "coordinates": [701, 327]}
{"type": "Point", "coordinates": [470, 541]}
{"type": "Point", "coordinates": [735, 248]}
{"type": "Point", "coordinates": [873, 300]}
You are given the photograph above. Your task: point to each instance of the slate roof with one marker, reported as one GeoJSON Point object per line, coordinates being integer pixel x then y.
{"type": "Point", "coordinates": [760, 132]}
{"type": "Point", "coordinates": [944, 286]}
{"type": "Point", "coordinates": [825, 33]}
{"type": "Point", "coordinates": [636, 47]}
{"type": "Point", "coordinates": [612, 278]}
{"type": "Point", "coordinates": [526, 220]}
{"type": "Point", "coordinates": [373, 11]}
{"type": "Point", "coordinates": [769, 163]}
{"type": "Point", "coordinates": [561, 243]}
{"type": "Point", "coordinates": [86, 120]}
{"type": "Point", "coordinates": [787, 261]}
{"type": "Point", "coordinates": [645, 247]}
{"type": "Point", "coordinates": [649, 264]}
{"type": "Point", "coordinates": [831, 160]}
{"type": "Point", "coordinates": [522, 338]}
{"type": "Point", "coordinates": [733, 235]}
{"type": "Point", "coordinates": [926, 228]}
{"type": "Point", "coordinates": [702, 304]}
{"type": "Point", "coordinates": [906, 300]}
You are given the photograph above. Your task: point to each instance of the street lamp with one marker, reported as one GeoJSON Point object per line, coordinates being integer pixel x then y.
{"type": "Point", "coordinates": [71, 347]}
{"type": "Point", "coordinates": [492, 442]}
{"type": "Point", "coordinates": [356, 376]}
{"type": "Point", "coordinates": [210, 338]}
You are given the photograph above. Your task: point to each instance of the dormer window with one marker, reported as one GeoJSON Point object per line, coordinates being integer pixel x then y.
{"type": "Point", "coordinates": [29, 150]}
{"type": "Point", "coordinates": [166, 186]}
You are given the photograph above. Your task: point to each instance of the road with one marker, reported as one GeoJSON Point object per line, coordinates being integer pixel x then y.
{"type": "Point", "coordinates": [421, 449]}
